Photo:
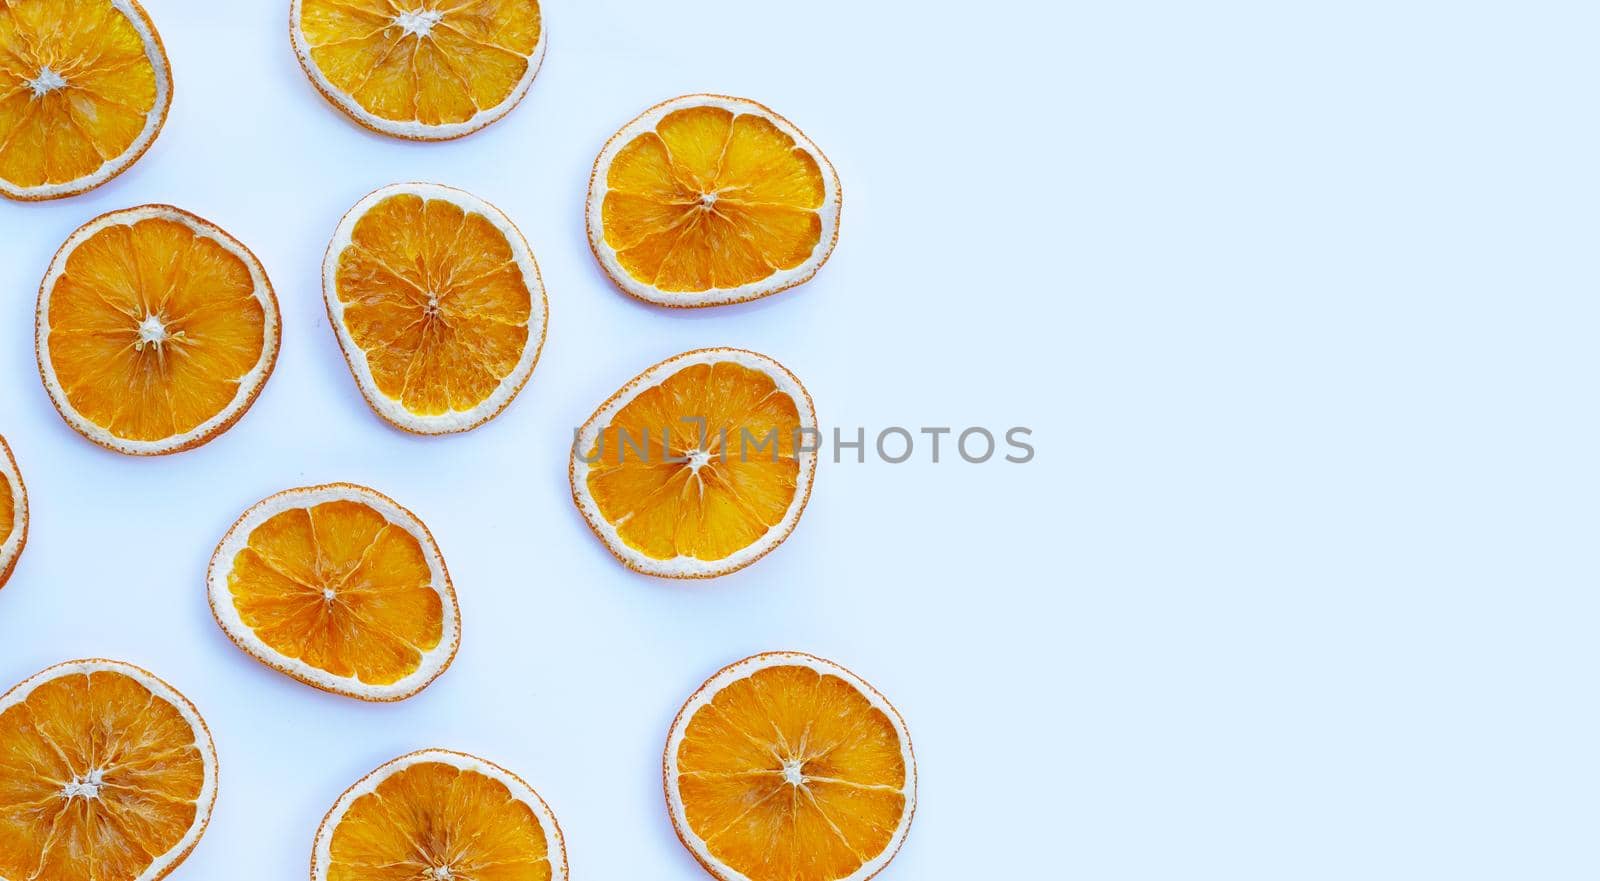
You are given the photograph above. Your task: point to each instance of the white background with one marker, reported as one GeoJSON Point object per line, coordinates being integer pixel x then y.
{"type": "Point", "coordinates": [1306, 589]}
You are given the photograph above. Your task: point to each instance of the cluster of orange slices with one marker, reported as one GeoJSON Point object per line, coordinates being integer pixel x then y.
{"type": "Point", "coordinates": [156, 330]}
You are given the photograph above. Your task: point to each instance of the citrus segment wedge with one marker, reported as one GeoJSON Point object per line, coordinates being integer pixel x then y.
{"type": "Point", "coordinates": [699, 466]}
{"type": "Point", "coordinates": [339, 587]}
{"type": "Point", "coordinates": [155, 330]}
{"type": "Point", "coordinates": [13, 513]}
{"type": "Point", "coordinates": [439, 815]}
{"type": "Point", "coordinates": [706, 199]}
{"type": "Point", "coordinates": [86, 87]}
{"type": "Point", "coordinates": [438, 306]}
{"type": "Point", "coordinates": [788, 767]}
{"type": "Point", "coordinates": [106, 774]}
{"type": "Point", "coordinates": [420, 69]}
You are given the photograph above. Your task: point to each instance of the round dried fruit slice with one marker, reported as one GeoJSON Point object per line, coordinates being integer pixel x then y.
{"type": "Point", "coordinates": [88, 87]}
{"type": "Point", "coordinates": [155, 330]}
{"type": "Point", "coordinates": [13, 513]}
{"type": "Point", "coordinates": [438, 306]}
{"type": "Point", "coordinates": [439, 815]}
{"type": "Point", "coordinates": [705, 200]}
{"type": "Point", "coordinates": [339, 587]}
{"type": "Point", "coordinates": [426, 70]}
{"type": "Point", "coordinates": [106, 772]}
{"type": "Point", "coordinates": [699, 466]}
{"type": "Point", "coordinates": [787, 766]}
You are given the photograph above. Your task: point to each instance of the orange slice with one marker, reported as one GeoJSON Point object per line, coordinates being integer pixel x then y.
{"type": "Point", "coordinates": [706, 199]}
{"type": "Point", "coordinates": [106, 774]}
{"type": "Point", "coordinates": [786, 766]}
{"type": "Point", "coordinates": [427, 70]}
{"type": "Point", "coordinates": [155, 330]}
{"type": "Point", "coordinates": [699, 466]}
{"type": "Point", "coordinates": [438, 815]}
{"type": "Point", "coordinates": [438, 306]}
{"type": "Point", "coordinates": [339, 587]}
{"type": "Point", "coordinates": [86, 89]}
{"type": "Point", "coordinates": [13, 513]}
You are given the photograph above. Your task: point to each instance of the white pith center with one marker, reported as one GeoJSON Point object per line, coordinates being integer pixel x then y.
{"type": "Point", "coordinates": [151, 330]}
{"type": "Point", "coordinates": [47, 81]}
{"type": "Point", "coordinates": [432, 308]}
{"type": "Point", "coordinates": [442, 873]}
{"type": "Point", "coordinates": [87, 786]}
{"type": "Point", "coordinates": [418, 23]}
{"type": "Point", "coordinates": [791, 773]}
{"type": "Point", "coordinates": [708, 200]}
{"type": "Point", "coordinates": [698, 459]}
{"type": "Point", "coordinates": [327, 594]}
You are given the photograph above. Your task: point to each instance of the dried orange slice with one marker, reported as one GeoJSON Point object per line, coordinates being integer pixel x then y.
{"type": "Point", "coordinates": [699, 466]}
{"type": "Point", "coordinates": [427, 70]}
{"type": "Point", "coordinates": [13, 513]}
{"type": "Point", "coordinates": [87, 89]}
{"type": "Point", "coordinates": [706, 199]}
{"type": "Point", "coordinates": [438, 306]}
{"type": "Point", "coordinates": [438, 815]}
{"type": "Point", "coordinates": [786, 766]}
{"type": "Point", "coordinates": [339, 587]}
{"type": "Point", "coordinates": [106, 773]}
{"type": "Point", "coordinates": [155, 330]}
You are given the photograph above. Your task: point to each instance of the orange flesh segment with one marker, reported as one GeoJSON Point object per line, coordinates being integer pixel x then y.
{"type": "Point", "coordinates": [98, 776]}
{"type": "Point", "coordinates": [152, 327]}
{"type": "Point", "coordinates": [434, 296]}
{"type": "Point", "coordinates": [429, 61]}
{"type": "Point", "coordinates": [668, 509]}
{"type": "Point", "coordinates": [710, 199]}
{"type": "Point", "coordinates": [792, 774]}
{"type": "Point", "coordinates": [8, 504]}
{"type": "Point", "coordinates": [76, 88]}
{"type": "Point", "coordinates": [341, 588]}
{"type": "Point", "coordinates": [431, 816]}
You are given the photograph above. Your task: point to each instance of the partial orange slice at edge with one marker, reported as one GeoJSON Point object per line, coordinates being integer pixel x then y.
{"type": "Point", "coordinates": [109, 773]}
{"type": "Point", "coordinates": [699, 466]}
{"type": "Point", "coordinates": [13, 513]}
{"type": "Point", "coordinates": [340, 587]}
{"type": "Point", "coordinates": [788, 767]}
{"type": "Point", "coordinates": [420, 69]}
{"type": "Point", "coordinates": [90, 92]}
{"type": "Point", "coordinates": [708, 199]}
{"type": "Point", "coordinates": [155, 330]}
{"type": "Point", "coordinates": [438, 814]}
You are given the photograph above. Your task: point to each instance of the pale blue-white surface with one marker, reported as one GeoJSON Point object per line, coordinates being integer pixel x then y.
{"type": "Point", "coordinates": [1300, 300]}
